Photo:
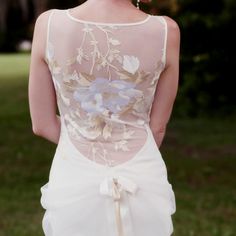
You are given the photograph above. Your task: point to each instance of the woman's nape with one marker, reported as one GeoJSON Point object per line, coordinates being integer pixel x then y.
{"type": "Point", "coordinates": [109, 11]}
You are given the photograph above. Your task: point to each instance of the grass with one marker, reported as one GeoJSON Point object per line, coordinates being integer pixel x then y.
{"type": "Point", "coordinates": [199, 154]}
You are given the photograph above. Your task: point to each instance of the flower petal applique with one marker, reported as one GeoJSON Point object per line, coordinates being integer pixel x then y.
{"type": "Point", "coordinates": [131, 64]}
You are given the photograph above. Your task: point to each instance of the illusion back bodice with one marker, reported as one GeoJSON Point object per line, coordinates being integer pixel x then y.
{"type": "Point", "coordinates": [105, 77]}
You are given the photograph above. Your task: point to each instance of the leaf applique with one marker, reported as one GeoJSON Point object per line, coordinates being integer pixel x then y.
{"type": "Point", "coordinates": [106, 132]}
{"type": "Point", "coordinates": [140, 122]}
{"type": "Point", "coordinates": [93, 42]}
{"type": "Point", "coordinates": [115, 116]}
{"type": "Point", "coordinates": [119, 58]}
{"type": "Point", "coordinates": [95, 121]}
{"type": "Point", "coordinates": [90, 133]}
{"type": "Point", "coordinates": [128, 134]}
{"type": "Point", "coordinates": [85, 79]}
{"type": "Point", "coordinates": [110, 57]}
{"type": "Point", "coordinates": [94, 150]}
{"type": "Point", "coordinates": [71, 77]}
{"type": "Point", "coordinates": [121, 145]}
{"type": "Point", "coordinates": [71, 61]}
{"type": "Point", "coordinates": [65, 100]}
{"type": "Point", "coordinates": [127, 109]}
{"type": "Point", "coordinates": [124, 74]}
{"type": "Point", "coordinates": [87, 29]}
{"type": "Point", "coordinates": [114, 42]}
{"type": "Point", "coordinates": [140, 105]}
{"type": "Point", "coordinates": [157, 72]}
{"type": "Point", "coordinates": [141, 76]}
{"type": "Point", "coordinates": [77, 113]}
{"type": "Point", "coordinates": [56, 69]}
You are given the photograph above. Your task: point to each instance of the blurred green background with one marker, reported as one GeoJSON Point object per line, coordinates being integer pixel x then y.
{"type": "Point", "coordinates": [199, 148]}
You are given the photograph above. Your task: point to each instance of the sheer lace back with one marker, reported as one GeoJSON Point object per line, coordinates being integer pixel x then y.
{"type": "Point", "coordinates": [105, 77]}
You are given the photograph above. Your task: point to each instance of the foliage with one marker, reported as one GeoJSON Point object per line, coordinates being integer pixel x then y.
{"type": "Point", "coordinates": [207, 51]}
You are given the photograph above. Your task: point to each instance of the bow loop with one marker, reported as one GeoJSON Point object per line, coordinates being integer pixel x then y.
{"type": "Point", "coordinates": [111, 186]}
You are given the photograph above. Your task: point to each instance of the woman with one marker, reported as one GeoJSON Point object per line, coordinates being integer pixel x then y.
{"type": "Point", "coordinates": [112, 71]}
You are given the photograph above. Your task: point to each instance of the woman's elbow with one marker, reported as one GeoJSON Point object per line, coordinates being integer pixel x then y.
{"type": "Point", "coordinates": [37, 130]}
{"type": "Point", "coordinates": [158, 129]}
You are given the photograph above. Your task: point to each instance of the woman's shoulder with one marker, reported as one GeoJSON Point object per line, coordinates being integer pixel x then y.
{"type": "Point", "coordinates": [173, 37]}
{"type": "Point", "coordinates": [41, 22]}
{"type": "Point", "coordinates": [172, 24]}
{"type": "Point", "coordinates": [173, 29]}
{"type": "Point", "coordinates": [43, 17]}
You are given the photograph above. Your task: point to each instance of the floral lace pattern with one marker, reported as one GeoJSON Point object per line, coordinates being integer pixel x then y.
{"type": "Point", "coordinates": [94, 106]}
{"type": "Point", "coordinates": [104, 96]}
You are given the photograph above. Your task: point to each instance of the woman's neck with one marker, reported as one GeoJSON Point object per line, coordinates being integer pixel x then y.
{"type": "Point", "coordinates": [110, 4]}
{"type": "Point", "coordinates": [108, 10]}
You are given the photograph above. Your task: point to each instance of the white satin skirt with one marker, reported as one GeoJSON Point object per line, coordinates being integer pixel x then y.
{"type": "Point", "coordinates": [85, 198]}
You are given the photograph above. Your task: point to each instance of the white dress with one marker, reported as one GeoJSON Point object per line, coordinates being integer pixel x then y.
{"type": "Point", "coordinates": [107, 176]}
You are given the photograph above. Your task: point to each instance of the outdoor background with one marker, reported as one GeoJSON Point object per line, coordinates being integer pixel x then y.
{"type": "Point", "coordinates": [199, 148]}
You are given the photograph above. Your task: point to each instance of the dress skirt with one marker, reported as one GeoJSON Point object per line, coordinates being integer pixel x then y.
{"type": "Point", "coordinates": [85, 198]}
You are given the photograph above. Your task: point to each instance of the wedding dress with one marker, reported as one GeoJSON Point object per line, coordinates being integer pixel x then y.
{"type": "Point", "coordinates": [107, 177]}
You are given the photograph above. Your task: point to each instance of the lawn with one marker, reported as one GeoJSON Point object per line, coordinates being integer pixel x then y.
{"type": "Point", "coordinates": [200, 155]}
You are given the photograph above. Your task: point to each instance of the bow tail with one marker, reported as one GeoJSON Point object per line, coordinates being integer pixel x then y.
{"type": "Point", "coordinates": [126, 216]}
{"type": "Point", "coordinates": [118, 218]}
{"type": "Point", "coordinates": [119, 189]}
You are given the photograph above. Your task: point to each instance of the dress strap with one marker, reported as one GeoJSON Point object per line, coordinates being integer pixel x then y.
{"type": "Point", "coordinates": [165, 39]}
{"type": "Point", "coordinates": [48, 33]}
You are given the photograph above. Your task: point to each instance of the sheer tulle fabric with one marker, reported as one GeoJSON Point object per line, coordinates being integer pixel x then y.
{"type": "Point", "coordinates": [105, 78]}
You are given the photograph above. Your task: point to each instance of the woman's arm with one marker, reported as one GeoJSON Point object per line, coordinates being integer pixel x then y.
{"type": "Point", "coordinates": [42, 97]}
{"type": "Point", "coordinates": [167, 85]}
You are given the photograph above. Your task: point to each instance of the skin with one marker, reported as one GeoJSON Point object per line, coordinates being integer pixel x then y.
{"type": "Point", "coordinates": [42, 97]}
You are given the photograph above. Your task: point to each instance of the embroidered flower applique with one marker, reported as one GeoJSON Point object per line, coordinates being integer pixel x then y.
{"type": "Point", "coordinates": [106, 96]}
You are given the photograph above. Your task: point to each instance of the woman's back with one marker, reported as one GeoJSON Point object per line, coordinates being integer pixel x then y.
{"type": "Point", "coordinates": [105, 76]}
